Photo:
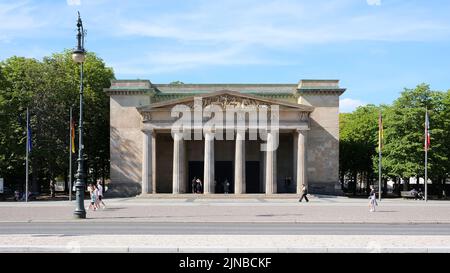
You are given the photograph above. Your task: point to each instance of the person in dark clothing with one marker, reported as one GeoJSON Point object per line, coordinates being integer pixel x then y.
{"type": "Point", "coordinates": [194, 184]}
{"type": "Point", "coordinates": [304, 194]}
{"type": "Point", "coordinates": [199, 186]}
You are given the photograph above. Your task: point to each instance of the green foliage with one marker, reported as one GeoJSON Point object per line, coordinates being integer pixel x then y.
{"type": "Point", "coordinates": [404, 133]}
{"type": "Point", "coordinates": [403, 151]}
{"type": "Point", "coordinates": [176, 83]}
{"type": "Point", "coordinates": [358, 139]}
{"type": "Point", "coordinates": [49, 88]}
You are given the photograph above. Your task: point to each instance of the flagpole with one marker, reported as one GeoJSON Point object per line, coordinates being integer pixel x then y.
{"type": "Point", "coordinates": [26, 164]}
{"type": "Point", "coordinates": [426, 175]}
{"type": "Point", "coordinates": [380, 144]}
{"type": "Point", "coordinates": [70, 156]}
{"type": "Point", "coordinates": [379, 175]}
{"type": "Point", "coordinates": [426, 154]}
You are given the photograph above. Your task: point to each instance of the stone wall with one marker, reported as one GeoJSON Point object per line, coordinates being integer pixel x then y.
{"type": "Point", "coordinates": [126, 140]}
{"type": "Point", "coordinates": [323, 143]}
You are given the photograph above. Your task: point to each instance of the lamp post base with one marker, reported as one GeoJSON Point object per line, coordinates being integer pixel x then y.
{"type": "Point", "coordinates": [79, 214]}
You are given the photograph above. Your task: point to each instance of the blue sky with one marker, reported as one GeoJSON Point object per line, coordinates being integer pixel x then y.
{"type": "Point", "coordinates": [375, 47]}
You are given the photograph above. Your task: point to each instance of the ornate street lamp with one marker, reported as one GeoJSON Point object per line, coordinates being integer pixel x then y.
{"type": "Point", "coordinates": [78, 56]}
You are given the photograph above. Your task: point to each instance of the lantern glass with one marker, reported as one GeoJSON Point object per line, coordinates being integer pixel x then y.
{"type": "Point", "coordinates": [78, 57]}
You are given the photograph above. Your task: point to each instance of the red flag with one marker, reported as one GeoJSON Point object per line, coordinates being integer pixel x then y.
{"type": "Point", "coordinates": [72, 135]}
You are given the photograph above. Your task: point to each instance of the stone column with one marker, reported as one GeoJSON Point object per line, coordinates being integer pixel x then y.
{"type": "Point", "coordinates": [147, 162]}
{"type": "Point", "coordinates": [208, 175]}
{"type": "Point", "coordinates": [271, 165]}
{"type": "Point", "coordinates": [262, 165]}
{"type": "Point", "coordinates": [178, 163]}
{"type": "Point", "coordinates": [154, 162]}
{"type": "Point", "coordinates": [239, 161]}
{"type": "Point", "coordinates": [301, 160]}
{"type": "Point", "coordinates": [294, 159]}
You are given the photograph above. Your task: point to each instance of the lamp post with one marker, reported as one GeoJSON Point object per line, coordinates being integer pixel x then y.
{"type": "Point", "coordinates": [78, 56]}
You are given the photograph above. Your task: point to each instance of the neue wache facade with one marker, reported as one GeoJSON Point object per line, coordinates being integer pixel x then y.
{"type": "Point", "coordinates": [256, 138]}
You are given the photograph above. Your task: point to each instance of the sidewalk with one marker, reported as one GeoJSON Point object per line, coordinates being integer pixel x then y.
{"type": "Point", "coordinates": [227, 243]}
{"type": "Point", "coordinates": [258, 209]}
{"type": "Point", "coordinates": [192, 209]}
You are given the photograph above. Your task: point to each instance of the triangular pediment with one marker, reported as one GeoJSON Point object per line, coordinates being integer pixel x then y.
{"type": "Point", "coordinates": [226, 98]}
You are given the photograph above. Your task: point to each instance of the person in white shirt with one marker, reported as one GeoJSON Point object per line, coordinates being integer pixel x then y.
{"type": "Point", "coordinates": [100, 193]}
{"type": "Point", "coordinates": [93, 204]}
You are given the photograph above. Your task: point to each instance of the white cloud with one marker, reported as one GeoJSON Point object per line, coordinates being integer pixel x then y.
{"type": "Point", "coordinates": [206, 36]}
{"type": "Point", "coordinates": [283, 28]}
{"type": "Point", "coordinates": [73, 2]}
{"type": "Point", "coordinates": [172, 60]}
{"type": "Point", "coordinates": [18, 18]}
{"type": "Point", "coordinates": [349, 105]}
{"type": "Point", "coordinates": [374, 2]}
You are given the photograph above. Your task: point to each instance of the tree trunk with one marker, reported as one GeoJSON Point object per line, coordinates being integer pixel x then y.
{"type": "Point", "coordinates": [66, 182]}
{"type": "Point", "coordinates": [397, 186]}
{"type": "Point", "coordinates": [34, 181]}
{"type": "Point", "coordinates": [444, 192]}
{"type": "Point", "coordinates": [367, 182]}
{"type": "Point", "coordinates": [406, 184]}
{"type": "Point", "coordinates": [441, 187]}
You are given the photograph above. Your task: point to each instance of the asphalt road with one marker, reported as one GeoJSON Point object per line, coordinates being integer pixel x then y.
{"type": "Point", "coordinates": [146, 228]}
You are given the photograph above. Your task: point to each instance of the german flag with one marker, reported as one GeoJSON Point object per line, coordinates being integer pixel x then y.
{"type": "Point", "coordinates": [380, 132]}
{"type": "Point", "coordinates": [72, 135]}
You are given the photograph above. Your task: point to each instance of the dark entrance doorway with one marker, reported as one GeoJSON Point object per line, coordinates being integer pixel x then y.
{"type": "Point", "coordinates": [195, 170]}
{"type": "Point", "coordinates": [252, 177]}
{"type": "Point", "coordinates": [223, 171]}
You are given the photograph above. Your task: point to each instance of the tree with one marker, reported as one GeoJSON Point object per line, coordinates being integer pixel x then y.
{"type": "Point", "coordinates": [176, 83]}
{"type": "Point", "coordinates": [19, 77]}
{"type": "Point", "coordinates": [49, 88]}
{"type": "Point", "coordinates": [358, 131]}
{"type": "Point", "coordinates": [403, 154]}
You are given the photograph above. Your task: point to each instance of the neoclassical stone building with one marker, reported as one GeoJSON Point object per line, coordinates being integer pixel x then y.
{"type": "Point", "coordinates": [146, 157]}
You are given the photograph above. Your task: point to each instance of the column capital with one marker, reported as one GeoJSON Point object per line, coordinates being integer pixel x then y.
{"type": "Point", "coordinates": [240, 135]}
{"type": "Point", "coordinates": [209, 133]}
{"type": "Point", "coordinates": [148, 131]}
{"type": "Point", "coordinates": [177, 136]}
{"type": "Point", "coordinates": [302, 130]}
{"type": "Point", "coordinates": [241, 129]}
{"type": "Point", "coordinates": [207, 130]}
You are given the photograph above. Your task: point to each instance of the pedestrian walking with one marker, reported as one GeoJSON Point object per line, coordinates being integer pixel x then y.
{"type": "Point", "coordinates": [372, 199]}
{"type": "Point", "coordinates": [304, 194]}
{"type": "Point", "coordinates": [199, 186]}
{"type": "Point", "coordinates": [93, 204]}
{"type": "Point", "coordinates": [194, 184]}
{"type": "Point", "coordinates": [100, 194]}
{"type": "Point", "coordinates": [52, 188]}
{"type": "Point", "coordinates": [16, 195]}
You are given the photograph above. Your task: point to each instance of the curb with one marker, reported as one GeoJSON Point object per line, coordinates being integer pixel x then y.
{"type": "Point", "coordinates": [94, 220]}
{"type": "Point", "coordinates": [140, 249]}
